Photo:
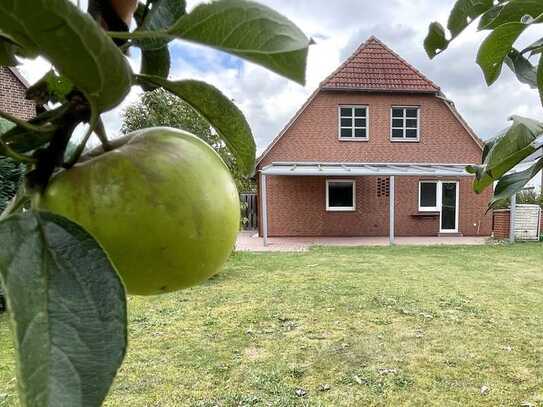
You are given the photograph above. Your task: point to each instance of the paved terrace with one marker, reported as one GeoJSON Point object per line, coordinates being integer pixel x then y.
{"type": "Point", "coordinates": [249, 241]}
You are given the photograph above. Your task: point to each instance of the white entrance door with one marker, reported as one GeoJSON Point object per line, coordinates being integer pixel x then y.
{"type": "Point", "coordinates": [448, 219]}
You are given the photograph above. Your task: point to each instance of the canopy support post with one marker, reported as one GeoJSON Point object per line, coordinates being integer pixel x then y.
{"type": "Point", "coordinates": [264, 206]}
{"type": "Point", "coordinates": [512, 218]}
{"type": "Point", "coordinates": [391, 208]}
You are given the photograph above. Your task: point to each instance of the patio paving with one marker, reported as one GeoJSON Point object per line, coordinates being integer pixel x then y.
{"type": "Point", "coordinates": [249, 241]}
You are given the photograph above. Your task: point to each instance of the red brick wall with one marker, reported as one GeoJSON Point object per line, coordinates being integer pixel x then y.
{"type": "Point", "coordinates": [502, 221]}
{"type": "Point", "coordinates": [297, 207]}
{"type": "Point", "coordinates": [314, 136]}
{"type": "Point", "coordinates": [501, 224]}
{"type": "Point", "coordinates": [297, 204]}
{"type": "Point", "coordinates": [12, 96]}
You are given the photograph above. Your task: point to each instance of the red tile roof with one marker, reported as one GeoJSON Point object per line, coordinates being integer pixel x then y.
{"type": "Point", "coordinates": [376, 67]}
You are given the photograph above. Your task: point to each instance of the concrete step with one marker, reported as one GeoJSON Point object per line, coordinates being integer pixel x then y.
{"type": "Point", "coordinates": [446, 234]}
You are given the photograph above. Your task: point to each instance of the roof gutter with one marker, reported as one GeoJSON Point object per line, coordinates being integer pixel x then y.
{"type": "Point", "coordinates": [20, 77]}
{"type": "Point", "coordinates": [378, 90]}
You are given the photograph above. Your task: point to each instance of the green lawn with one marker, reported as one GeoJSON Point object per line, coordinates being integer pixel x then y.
{"type": "Point", "coordinates": [351, 327]}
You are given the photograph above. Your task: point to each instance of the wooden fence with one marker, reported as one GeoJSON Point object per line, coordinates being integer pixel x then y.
{"type": "Point", "coordinates": [249, 211]}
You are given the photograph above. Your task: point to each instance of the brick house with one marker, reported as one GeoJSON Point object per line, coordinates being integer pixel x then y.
{"type": "Point", "coordinates": [12, 94]}
{"type": "Point", "coordinates": [12, 100]}
{"type": "Point", "coordinates": [377, 150]}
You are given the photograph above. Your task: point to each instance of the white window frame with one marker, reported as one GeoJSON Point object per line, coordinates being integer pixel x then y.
{"type": "Point", "coordinates": [340, 208]}
{"type": "Point", "coordinates": [353, 127]}
{"type": "Point", "coordinates": [438, 195]}
{"type": "Point", "coordinates": [404, 139]}
{"type": "Point", "coordinates": [439, 203]}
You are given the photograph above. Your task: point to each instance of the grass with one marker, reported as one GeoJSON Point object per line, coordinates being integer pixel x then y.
{"type": "Point", "coordinates": [339, 327]}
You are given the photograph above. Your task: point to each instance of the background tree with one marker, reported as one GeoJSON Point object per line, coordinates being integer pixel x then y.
{"type": "Point", "coordinates": [506, 21]}
{"type": "Point", "coordinates": [11, 173]}
{"type": "Point", "coordinates": [162, 108]}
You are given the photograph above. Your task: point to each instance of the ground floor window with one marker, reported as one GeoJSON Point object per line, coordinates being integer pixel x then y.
{"type": "Point", "coordinates": [442, 197]}
{"type": "Point", "coordinates": [340, 195]}
{"type": "Point", "coordinates": [428, 196]}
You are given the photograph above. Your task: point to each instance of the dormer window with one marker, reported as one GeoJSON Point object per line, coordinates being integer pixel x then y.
{"type": "Point", "coordinates": [353, 123]}
{"type": "Point", "coordinates": [405, 123]}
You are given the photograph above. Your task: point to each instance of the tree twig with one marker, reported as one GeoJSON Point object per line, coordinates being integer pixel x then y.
{"type": "Point", "coordinates": [81, 147]}
{"type": "Point", "coordinates": [102, 135]}
{"type": "Point", "coordinates": [9, 152]}
{"type": "Point", "coordinates": [26, 125]}
{"type": "Point", "coordinates": [52, 156]}
{"type": "Point", "coordinates": [15, 203]}
{"type": "Point", "coordinates": [138, 35]}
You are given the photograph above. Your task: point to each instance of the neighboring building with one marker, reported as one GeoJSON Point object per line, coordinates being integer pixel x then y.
{"type": "Point", "coordinates": [12, 94]}
{"type": "Point", "coordinates": [376, 131]}
{"type": "Point", "coordinates": [12, 100]}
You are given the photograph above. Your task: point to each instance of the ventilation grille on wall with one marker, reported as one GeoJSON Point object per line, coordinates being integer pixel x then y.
{"type": "Point", "coordinates": [383, 187]}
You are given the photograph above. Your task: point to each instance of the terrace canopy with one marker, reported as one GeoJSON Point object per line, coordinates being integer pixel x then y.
{"type": "Point", "coordinates": [326, 169]}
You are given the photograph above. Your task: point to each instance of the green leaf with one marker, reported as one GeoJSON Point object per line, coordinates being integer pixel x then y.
{"type": "Point", "coordinates": [5, 125]}
{"type": "Point", "coordinates": [220, 112]}
{"type": "Point", "coordinates": [435, 42]}
{"type": "Point", "coordinates": [50, 88]}
{"type": "Point", "coordinates": [249, 30]}
{"type": "Point", "coordinates": [496, 47]}
{"type": "Point", "coordinates": [462, 15]}
{"type": "Point", "coordinates": [160, 18]}
{"type": "Point", "coordinates": [540, 80]}
{"type": "Point", "coordinates": [464, 12]}
{"type": "Point", "coordinates": [67, 307]}
{"type": "Point", "coordinates": [491, 142]}
{"type": "Point", "coordinates": [506, 151]}
{"type": "Point", "coordinates": [516, 142]}
{"type": "Point", "coordinates": [510, 12]}
{"type": "Point", "coordinates": [482, 178]}
{"type": "Point", "coordinates": [510, 184]}
{"type": "Point", "coordinates": [522, 68]}
{"type": "Point", "coordinates": [73, 43]}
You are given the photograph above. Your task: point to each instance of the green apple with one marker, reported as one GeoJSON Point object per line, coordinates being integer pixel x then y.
{"type": "Point", "coordinates": [162, 204]}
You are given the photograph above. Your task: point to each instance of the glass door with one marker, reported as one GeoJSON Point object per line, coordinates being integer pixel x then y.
{"type": "Point", "coordinates": [449, 207]}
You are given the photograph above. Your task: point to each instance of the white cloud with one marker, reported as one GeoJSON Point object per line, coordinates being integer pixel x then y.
{"type": "Point", "coordinates": [340, 27]}
{"type": "Point", "coordinates": [269, 101]}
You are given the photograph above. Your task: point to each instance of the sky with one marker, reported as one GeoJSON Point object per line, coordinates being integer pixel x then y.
{"type": "Point", "coordinates": [338, 28]}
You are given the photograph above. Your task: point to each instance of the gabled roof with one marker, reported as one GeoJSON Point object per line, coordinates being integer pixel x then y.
{"type": "Point", "coordinates": [375, 67]}
{"type": "Point", "coordinates": [15, 72]}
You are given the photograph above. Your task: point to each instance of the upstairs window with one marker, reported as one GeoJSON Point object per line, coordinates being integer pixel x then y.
{"type": "Point", "coordinates": [405, 124]}
{"type": "Point", "coordinates": [353, 122]}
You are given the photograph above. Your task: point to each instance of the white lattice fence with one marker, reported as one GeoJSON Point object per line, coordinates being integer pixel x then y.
{"type": "Point", "coordinates": [527, 222]}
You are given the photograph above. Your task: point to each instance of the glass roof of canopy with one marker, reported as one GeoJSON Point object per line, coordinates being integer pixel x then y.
{"type": "Point", "coordinates": [360, 169]}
